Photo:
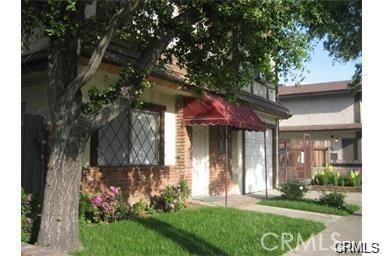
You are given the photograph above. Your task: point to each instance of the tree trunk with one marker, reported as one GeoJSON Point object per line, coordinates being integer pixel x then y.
{"type": "Point", "coordinates": [59, 223]}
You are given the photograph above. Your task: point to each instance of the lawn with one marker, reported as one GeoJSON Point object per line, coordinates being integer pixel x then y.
{"type": "Point", "coordinates": [194, 231]}
{"type": "Point", "coordinates": [309, 205]}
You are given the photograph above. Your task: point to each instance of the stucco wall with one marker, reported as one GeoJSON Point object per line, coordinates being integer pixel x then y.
{"type": "Point", "coordinates": [318, 110]}
{"type": "Point", "coordinates": [36, 102]}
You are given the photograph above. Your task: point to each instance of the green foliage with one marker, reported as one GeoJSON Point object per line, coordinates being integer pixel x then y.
{"type": "Point", "coordinates": [356, 178]}
{"type": "Point", "coordinates": [171, 198]}
{"type": "Point", "coordinates": [334, 199]}
{"type": "Point", "coordinates": [139, 208]}
{"type": "Point", "coordinates": [86, 211]}
{"type": "Point", "coordinates": [129, 75]}
{"type": "Point", "coordinates": [26, 220]}
{"type": "Point", "coordinates": [328, 176]}
{"type": "Point", "coordinates": [60, 20]}
{"type": "Point", "coordinates": [345, 181]}
{"type": "Point", "coordinates": [293, 190]}
{"type": "Point", "coordinates": [30, 219]}
{"type": "Point", "coordinates": [218, 51]}
{"type": "Point", "coordinates": [103, 207]}
{"type": "Point", "coordinates": [341, 27]}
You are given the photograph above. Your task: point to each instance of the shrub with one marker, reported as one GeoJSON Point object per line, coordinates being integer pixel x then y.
{"type": "Point", "coordinates": [86, 210]}
{"type": "Point", "coordinates": [30, 219]}
{"type": "Point", "coordinates": [356, 178]}
{"type": "Point", "coordinates": [329, 177]}
{"type": "Point", "coordinates": [171, 198]}
{"type": "Point", "coordinates": [26, 220]}
{"type": "Point", "coordinates": [293, 190]}
{"type": "Point", "coordinates": [139, 208]}
{"type": "Point", "coordinates": [102, 207]}
{"type": "Point", "coordinates": [334, 199]}
{"type": "Point", "coordinates": [345, 180]}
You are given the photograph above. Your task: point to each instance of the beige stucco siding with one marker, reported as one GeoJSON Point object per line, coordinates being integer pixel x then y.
{"type": "Point", "coordinates": [320, 110]}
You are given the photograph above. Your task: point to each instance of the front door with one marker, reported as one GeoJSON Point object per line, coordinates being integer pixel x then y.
{"type": "Point", "coordinates": [200, 161]}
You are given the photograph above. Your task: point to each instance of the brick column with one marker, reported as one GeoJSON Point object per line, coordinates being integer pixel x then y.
{"type": "Point", "coordinates": [183, 144]}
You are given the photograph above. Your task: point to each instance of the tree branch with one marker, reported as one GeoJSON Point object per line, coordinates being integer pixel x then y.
{"type": "Point", "coordinates": [147, 60]}
{"type": "Point", "coordinates": [153, 51]}
{"type": "Point", "coordinates": [98, 53]}
{"type": "Point", "coordinates": [104, 115]}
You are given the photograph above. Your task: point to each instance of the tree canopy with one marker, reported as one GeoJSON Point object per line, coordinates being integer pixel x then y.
{"type": "Point", "coordinates": [223, 45]}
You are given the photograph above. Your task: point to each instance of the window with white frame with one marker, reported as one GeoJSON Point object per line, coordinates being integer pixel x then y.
{"type": "Point", "coordinates": [132, 138]}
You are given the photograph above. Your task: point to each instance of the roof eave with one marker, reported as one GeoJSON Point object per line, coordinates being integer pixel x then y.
{"type": "Point", "coordinates": [264, 105]}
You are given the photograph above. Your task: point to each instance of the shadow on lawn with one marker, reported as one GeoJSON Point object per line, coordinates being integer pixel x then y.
{"type": "Point", "coordinates": [189, 241]}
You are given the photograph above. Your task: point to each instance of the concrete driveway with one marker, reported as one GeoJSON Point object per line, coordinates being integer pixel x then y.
{"type": "Point", "coordinates": [340, 228]}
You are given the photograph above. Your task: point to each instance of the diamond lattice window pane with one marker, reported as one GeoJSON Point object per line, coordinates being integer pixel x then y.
{"type": "Point", "coordinates": [113, 142]}
{"type": "Point", "coordinates": [145, 137]}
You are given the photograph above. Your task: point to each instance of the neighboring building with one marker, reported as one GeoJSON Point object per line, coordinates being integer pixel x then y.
{"type": "Point", "coordinates": [328, 114]}
{"type": "Point", "coordinates": [146, 149]}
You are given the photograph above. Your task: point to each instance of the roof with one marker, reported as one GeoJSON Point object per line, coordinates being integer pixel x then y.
{"type": "Point", "coordinates": [326, 127]}
{"type": "Point", "coordinates": [118, 54]}
{"type": "Point", "coordinates": [264, 105]}
{"type": "Point", "coordinates": [314, 89]}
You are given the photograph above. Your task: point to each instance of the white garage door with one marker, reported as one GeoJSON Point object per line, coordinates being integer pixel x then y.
{"type": "Point", "coordinates": [254, 161]}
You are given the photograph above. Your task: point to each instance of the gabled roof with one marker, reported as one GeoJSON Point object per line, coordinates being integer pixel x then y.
{"type": "Point", "coordinates": [314, 89]}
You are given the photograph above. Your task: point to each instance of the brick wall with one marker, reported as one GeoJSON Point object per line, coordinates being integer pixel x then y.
{"type": "Point", "coordinates": [135, 182]}
{"type": "Point", "coordinates": [146, 181]}
{"type": "Point", "coordinates": [183, 144]}
{"type": "Point", "coordinates": [217, 163]}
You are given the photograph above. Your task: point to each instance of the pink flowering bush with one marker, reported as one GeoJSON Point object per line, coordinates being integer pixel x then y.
{"type": "Point", "coordinates": [103, 207]}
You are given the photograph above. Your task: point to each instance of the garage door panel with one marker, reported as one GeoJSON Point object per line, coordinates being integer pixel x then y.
{"type": "Point", "coordinates": [255, 161]}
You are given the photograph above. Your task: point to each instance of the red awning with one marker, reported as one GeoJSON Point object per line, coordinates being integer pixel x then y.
{"type": "Point", "coordinates": [211, 109]}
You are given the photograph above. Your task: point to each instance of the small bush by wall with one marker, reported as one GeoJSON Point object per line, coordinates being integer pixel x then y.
{"type": "Point", "coordinates": [30, 219]}
{"type": "Point", "coordinates": [102, 207]}
{"type": "Point", "coordinates": [328, 176]}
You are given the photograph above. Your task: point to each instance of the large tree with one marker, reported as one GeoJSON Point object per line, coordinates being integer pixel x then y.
{"type": "Point", "coordinates": [341, 28]}
{"type": "Point", "coordinates": [221, 44]}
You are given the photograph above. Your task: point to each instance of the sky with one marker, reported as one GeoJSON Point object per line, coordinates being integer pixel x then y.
{"type": "Point", "coordinates": [322, 68]}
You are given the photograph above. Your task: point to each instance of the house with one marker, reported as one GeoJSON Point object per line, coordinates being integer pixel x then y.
{"type": "Point", "coordinates": [326, 117]}
{"type": "Point", "coordinates": [166, 140]}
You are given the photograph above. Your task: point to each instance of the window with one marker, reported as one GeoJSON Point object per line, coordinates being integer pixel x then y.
{"type": "Point", "coordinates": [132, 138]}
{"type": "Point", "coordinates": [334, 156]}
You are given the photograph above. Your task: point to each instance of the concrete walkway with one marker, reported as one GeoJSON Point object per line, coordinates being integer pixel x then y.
{"type": "Point", "coordinates": [339, 228]}
{"type": "Point", "coordinates": [345, 229]}
{"type": "Point", "coordinates": [33, 250]}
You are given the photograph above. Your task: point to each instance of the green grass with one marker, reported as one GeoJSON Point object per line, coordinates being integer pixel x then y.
{"type": "Point", "coordinates": [195, 231]}
{"type": "Point", "coordinates": [309, 205]}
